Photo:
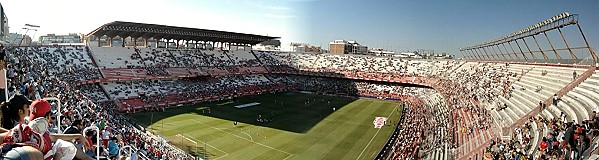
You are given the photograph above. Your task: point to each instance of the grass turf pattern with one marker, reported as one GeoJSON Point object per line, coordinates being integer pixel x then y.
{"type": "Point", "coordinates": [301, 126]}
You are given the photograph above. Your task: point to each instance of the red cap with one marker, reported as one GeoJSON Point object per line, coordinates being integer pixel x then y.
{"type": "Point", "coordinates": [38, 108]}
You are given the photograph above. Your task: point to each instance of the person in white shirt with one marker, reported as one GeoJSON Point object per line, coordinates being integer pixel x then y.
{"type": "Point", "coordinates": [106, 136]}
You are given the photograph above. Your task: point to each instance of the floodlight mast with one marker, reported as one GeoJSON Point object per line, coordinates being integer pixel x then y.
{"type": "Point", "coordinates": [28, 27]}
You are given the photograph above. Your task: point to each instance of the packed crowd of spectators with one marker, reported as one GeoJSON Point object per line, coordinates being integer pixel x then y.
{"type": "Point", "coordinates": [38, 72]}
{"type": "Point", "coordinates": [37, 78]}
{"type": "Point", "coordinates": [463, 91]}
{"type": "Point", "coordinates": [357, 64]}
{"type": "Point", "coordinates": [318, 84]}
{"type": "Point", "coordinates": [414, 118]}
{"type": "Point", "coordinates": [156, 61]}
{"type": "Point", "coordinates": [206, 85]}
{"type": "Point", "coordinates": [93, 91]}
{"type": "Point", "coordinates": [68, 63]}
{"type": "Point", "coordinates": [438, 135]}
{"type": "Point", "coordinates": [543, 138]}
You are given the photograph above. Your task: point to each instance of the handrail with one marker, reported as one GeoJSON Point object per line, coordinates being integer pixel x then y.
{"type": "Point", "coordinates": [525, 72]}
{"type": "Point", "coordinates": [58, 117]}
{"type": "Point", "coordinates": [97, 138]}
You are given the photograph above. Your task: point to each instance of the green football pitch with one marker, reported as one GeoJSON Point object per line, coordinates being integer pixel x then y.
{"type": "Point", "coordinates": [301, 126]}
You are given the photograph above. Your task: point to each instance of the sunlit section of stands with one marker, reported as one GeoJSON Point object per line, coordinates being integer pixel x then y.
{"type": "Point", "coordinates": [303, 60]}
{"type": "Point", "coordinates": [189, 58]}
{"type": "Point", "coordinates": [69, 63]}
{"type": "Point", "coordinates": [153, 57]}
{"type": "Point", "coordinates": [243, 58]}
{"type": "Point", "coordinates": [93, 91]}
{"type": "Point", "coordinates": [438, 139]}
{"type": "Point", "coordinates": [217, 58]}
{"type": "Point", "coordinates": [115, 57]}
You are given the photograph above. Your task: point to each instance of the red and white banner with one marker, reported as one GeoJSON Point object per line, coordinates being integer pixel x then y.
{"type": "Point", "coordinates": [379, 122]}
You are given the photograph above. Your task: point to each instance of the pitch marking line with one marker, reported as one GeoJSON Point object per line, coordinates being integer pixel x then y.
{"type": "Point", "coordinates": [251, 138]}
{"type": "Point", "coordinates": [246, 139]}
{"type": "Point", "coordinates": [377, 132]}
{"type": "Point", "coordinates": [226, 154]}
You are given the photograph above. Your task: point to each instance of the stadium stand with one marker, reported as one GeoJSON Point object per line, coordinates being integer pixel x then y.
{"type": "Point", "coordinates": [76, 106]}
{"type": "Point", "coordinates": [453, 109]}
{"type": "Point", "coordinates": [498, 95]}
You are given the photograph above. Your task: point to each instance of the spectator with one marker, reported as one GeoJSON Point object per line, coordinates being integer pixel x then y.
{"type": "Point", "coordinates": [2, 57]}
{"type": "Point", "coordinates": [16, 146]}
{"type": "Point", "coordinates": [113, 148]}
{"type": "Point", "coordinates": [555, 99]}
{"type": "Point", "coordinates": [14, 111]}
{"type": "Point", "coordinates": [75, 127]}
{"type": "Point", "coordinates": [61, 148]}
{"type": "Point", "coordinates": [106, 135]}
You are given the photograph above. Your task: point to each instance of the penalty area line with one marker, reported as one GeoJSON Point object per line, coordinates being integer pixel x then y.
{"type": "Point", "coordinates": [263, 145]}
{"type": "Point", "coordinates": [226, 154]}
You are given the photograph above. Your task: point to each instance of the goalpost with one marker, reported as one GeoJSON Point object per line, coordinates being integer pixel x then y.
{"type": "Point", "coordinates": [183, 138]}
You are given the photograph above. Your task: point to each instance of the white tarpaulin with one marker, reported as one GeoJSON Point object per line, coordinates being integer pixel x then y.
{"type": "Point", "coordinates": [247, 105]}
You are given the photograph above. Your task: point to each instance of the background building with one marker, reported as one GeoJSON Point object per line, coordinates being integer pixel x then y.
{"type": "Point", "coordinates": [3, 26]}
{"type": "Point", "coordinates": [380, 52]}
{"type": "Point", "coordinates": [347, 47]}
{"type": "Point", "coordinates": [60, 39]}
{"type": "Point", "coordinates": [16, 39]}
{"type": "Point", "coordinates": [306, 48]}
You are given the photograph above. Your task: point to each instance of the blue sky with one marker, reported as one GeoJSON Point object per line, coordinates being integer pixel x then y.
{"type": "Point", "coordinates": [440, 25]}
{"type": "Point", "coordinates": [401, 25]}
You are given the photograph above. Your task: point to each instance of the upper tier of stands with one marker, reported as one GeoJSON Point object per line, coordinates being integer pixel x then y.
{"type": "Point", "coordinates": [129, 57]}
{"type": "Point", "coordinates": [353, 63]}
{"type": "Point", "coordinates": [69, 63]}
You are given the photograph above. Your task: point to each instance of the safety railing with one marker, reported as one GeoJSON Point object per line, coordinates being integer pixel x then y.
{"type": "Point", "coordinates": [95, 128]}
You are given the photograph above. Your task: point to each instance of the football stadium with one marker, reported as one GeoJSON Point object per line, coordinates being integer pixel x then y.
{"type": "Point", "coordinates": [139, 90]}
